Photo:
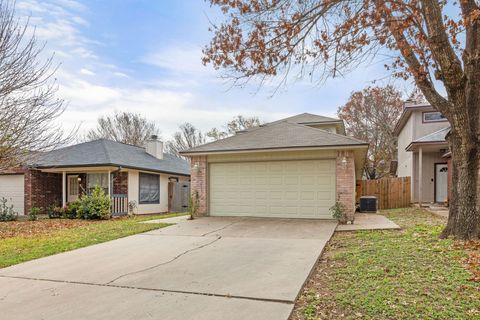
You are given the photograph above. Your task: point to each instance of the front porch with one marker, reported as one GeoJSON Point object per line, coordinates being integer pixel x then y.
{"type": "Point", "coordinates": [430, 171]}
{"type": "Point", "coordinates": [76, 182]}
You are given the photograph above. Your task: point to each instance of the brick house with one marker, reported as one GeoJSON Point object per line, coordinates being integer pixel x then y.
{"type": "Point", "coordinates": [296, 167]}
{"type": "Point", "coordinates": [127, 173]}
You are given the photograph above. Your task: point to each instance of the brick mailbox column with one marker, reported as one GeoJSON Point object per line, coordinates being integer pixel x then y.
{"type": "Point", "coordinates": [198, 184]}
{"type": "Point", "coordinates": [346, 182]}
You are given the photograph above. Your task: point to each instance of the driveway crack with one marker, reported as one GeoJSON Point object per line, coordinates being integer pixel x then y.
{"type": "Point", "coordinates": [166, 262]}
{"type": "Point", "coordinates": [222, 228]}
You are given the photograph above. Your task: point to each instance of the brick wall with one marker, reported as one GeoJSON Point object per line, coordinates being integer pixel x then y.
{"type": "Point", "coordinates": [346, 182]}
{"type": "Point", "coordinates": [120, 183]}
{"type": "Point", "coordinates": [198, 184]}
{"type": "Point", "coordinates": [42, 189]}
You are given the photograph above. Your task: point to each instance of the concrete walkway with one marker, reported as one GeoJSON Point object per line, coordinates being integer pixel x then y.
{"type": "Point", "coordinates": [369, 221]}
{"type": "Point", "coordinates": [439, 211]}
{"type": "Point", "coordinates": [208, 268]}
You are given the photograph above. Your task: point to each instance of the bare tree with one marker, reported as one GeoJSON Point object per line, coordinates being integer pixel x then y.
{"type": "Point", "coordinates": [28, 105]}
{"type": "Point", "coordinates": [435, 43]}
{"type": "Point", "coordinates": [188, 137]}
{"type": "Point", "coordinates": [238, 123]}
{"type": "Point", "coordinates": [124, 127]}
{"type": "Point", "coordinates": [370, 115]}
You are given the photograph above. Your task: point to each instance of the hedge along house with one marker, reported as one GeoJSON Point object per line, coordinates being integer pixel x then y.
{"type": "Point", "coordinates": [129, 174]}
{"type": "Point", "coordinates": [296, 167]}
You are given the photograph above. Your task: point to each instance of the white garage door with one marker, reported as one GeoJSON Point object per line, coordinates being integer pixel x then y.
{"type": "Point", "coordinates": [286, 189]}
{"type": "Point", "coordinates": [11, 188]}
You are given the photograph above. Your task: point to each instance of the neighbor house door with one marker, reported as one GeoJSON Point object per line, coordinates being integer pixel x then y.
{"type": "Point", "coordinates": [73, 188]}
{"type": "Point", "coordinates": [441, 182]}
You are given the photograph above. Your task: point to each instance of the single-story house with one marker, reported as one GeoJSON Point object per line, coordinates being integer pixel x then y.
{"type": "Point", "coordinates": [297, 167]}
{"type": "Point", "coordinates": [423, 152]}
{"type": "Point", "coordinates": [129, 174]}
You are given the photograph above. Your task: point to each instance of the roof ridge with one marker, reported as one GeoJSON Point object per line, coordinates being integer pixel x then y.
{"type": "Point", "coordinates": [327, 132]}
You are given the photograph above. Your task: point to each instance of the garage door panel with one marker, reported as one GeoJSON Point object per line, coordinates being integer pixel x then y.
{"type": "Point", "coordinates": [292, 189]}
{"type": "Point", "coordinates": [12, 189]}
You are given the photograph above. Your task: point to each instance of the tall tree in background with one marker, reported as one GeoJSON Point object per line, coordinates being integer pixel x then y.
{"type": "Point", "coordinates": [428, 40]}
{"type": "Point", "coordinates": [370, 115]}
{"type": "Point", "coordinates": [28, 105]}
{"type": "Point", "coordinates": [126, 127]}
{"type": "Point", "coordinates": [238, 123]}
{"type": "Point", "coordinates": [188, 137]}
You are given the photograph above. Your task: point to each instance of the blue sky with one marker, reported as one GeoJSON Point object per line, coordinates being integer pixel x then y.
{"type": "Point", "coordinates": [144, 56]}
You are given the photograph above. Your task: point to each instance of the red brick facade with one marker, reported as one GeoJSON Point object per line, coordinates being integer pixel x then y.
{"type": "Point", "coordinates": [345, 187]}
{"type": "Point", "coordinates": [198, 184]}
{"type": "Point", "coordinates": [120, 183]}
{"type": "Point", "coordinates": [42, 189]}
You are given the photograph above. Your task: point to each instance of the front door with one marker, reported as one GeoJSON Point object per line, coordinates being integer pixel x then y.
{"type": "Point", "coordinates": [73, 188]}
{"type": "Point", "coordinates": [441, 182]}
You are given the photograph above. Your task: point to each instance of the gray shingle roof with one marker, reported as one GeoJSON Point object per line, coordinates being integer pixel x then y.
{"type": "Point", "coordinates": [437, 136]}
{"type": "Point", "coordinates": [284, 134]}
{"type": "Point", "coordinates": [106, 152]}
{"type": "Point", "coordinates": [307, 118]}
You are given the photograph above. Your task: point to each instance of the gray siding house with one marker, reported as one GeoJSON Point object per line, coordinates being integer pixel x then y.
{"type": "Point", "coordinates": [423, 152]}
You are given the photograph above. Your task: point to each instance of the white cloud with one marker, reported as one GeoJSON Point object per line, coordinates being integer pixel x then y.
{"type": "Point", "coordinates": [178, 58]}
{"type": "Point", "coordinates": [93, 86]}
{"type": "Point", "coordinates": [87, 72]}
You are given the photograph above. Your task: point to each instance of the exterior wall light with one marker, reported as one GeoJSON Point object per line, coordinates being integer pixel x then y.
{"type": "Point", "coordinates": [196, 167]}
{"type": "Point", "coordinates": [344, 162]}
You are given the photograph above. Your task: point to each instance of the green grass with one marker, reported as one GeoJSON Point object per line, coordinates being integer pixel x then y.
{"type": "Point", "coordinates": [24, 248]}
{"type": "Point", "coordinates": [408, 274]}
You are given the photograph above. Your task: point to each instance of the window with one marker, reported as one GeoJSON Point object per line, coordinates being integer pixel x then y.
{"type": "Point", "coordinates": [94, 179]}
{"type": "Point", "coordinates": [433, 116]}
{"type": "Point", "coordinates": [149, 188]}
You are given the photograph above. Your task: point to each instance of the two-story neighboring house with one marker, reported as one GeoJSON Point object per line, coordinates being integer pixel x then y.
{"type": "Point", "coordinates": [423, 152]}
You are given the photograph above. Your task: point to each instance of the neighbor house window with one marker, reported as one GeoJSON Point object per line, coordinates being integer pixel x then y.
{"type": "Point", "coordinates": [149, 188]}
{"type": "Point", "coordinates": [433, 116]}
{"type": "Point", "coordinates": [97, 179]}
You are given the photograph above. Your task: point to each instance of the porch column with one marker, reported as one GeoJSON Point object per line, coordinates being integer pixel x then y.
{"type": "Point", "coordinates": [109, 183]}
{"type": "Point", "coordinates": [420, 176]}
{"type": "Point", "coordinates": [64, 188]}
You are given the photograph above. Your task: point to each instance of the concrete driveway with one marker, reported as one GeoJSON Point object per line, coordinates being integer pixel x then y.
{"type": "Point", "coordinates": [209, 268]}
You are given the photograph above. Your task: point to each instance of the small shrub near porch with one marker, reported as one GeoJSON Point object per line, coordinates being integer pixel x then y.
{"type": "Point", "coordinates": [93, 206]}
{"type": "Point", "coordinates": [96, 205]}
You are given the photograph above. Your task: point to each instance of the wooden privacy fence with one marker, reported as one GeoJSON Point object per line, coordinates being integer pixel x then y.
{"type": "Point", "coordinates": [390, 192]}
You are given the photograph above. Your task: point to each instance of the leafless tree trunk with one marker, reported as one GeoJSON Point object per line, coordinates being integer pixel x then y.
{"type": "Point", "coordinates": [188, 137]}
{"type": "Point", "coordinates": [125, 127]}
{"type": "Point", "coordinates": [28, 105]}
{"type": "Point", "coordinates": [238, 123]}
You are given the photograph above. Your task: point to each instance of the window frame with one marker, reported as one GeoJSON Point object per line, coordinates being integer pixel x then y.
{"type": "Point", "coordinates": [430, 121]}
{"type": "Point", "coordinates": [139, 187]}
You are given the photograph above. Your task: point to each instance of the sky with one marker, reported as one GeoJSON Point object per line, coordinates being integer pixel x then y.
{"type": "Point", "coordinates": [144, 56]}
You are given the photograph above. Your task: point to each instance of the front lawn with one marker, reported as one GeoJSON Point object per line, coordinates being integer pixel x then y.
{"type": "Point", "coordinates": [408, 274]}
{"type": "Point", "coordinates": [21, 241]}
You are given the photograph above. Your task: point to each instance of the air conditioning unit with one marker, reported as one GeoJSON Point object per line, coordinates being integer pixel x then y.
{"type": "Point", "coordinates": [368, 204]}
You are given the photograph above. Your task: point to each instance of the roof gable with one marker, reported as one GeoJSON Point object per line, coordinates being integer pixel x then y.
{"type": "Point", "coordinates": [406, 114]}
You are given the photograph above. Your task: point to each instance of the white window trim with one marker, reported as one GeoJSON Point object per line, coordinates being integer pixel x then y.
{"type": "Point", "coordinates": [427, 121]}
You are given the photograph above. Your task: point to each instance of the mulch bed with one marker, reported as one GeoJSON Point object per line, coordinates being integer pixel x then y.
{"type": "Point", "coordinates": [40, 227]}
